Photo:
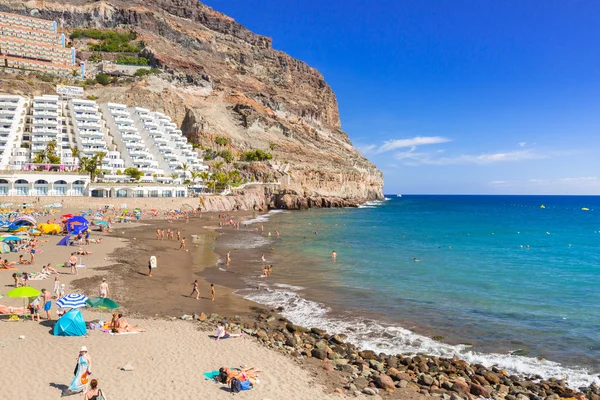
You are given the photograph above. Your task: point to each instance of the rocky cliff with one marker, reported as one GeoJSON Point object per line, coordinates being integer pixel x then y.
{"type": "Point", "coordinates": [220, 79]}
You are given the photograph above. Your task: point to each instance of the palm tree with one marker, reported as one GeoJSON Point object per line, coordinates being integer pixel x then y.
{"type": "Point", "coordinates": [75, 152]}
{"type": "Point", "coordinates": [174, 176]}
{"type": "Point", "coordinates": [217, 165]}
{"type": "Point", "coordinates": [195, 175]}
{"type": "Point", "coordinates": [184, 168]}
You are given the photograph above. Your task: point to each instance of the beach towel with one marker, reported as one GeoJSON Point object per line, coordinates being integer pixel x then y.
{"type": "Point", "coordinates": [122, 333]}
{"type": "Point", "coordinates": [81, 378]}
{"type": "Point", "coordinates": [211, 375]}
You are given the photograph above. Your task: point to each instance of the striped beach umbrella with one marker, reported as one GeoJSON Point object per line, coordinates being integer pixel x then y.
{"type": "Point", "coordinates": [73, 300]}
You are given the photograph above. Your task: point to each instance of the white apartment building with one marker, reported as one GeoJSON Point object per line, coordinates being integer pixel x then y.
{"type": "Point", "coordinates": [13, 111]}
{"type": "Point", "coordinates": [45, 123]}
{"type": "Point", "coordinates": [127, 136]}
{"type": "Point", "coordinates": [88, 127]}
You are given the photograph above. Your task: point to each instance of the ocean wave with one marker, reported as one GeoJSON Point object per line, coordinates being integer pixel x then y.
{"type": "Point", "coordinates": [249, 242]}
{"type": "Point", "coordinates": [286, 286]}
{"type": "Point", "coordinates": [262, 218]}
{"type": "Point", "coordinates": [373, 335]}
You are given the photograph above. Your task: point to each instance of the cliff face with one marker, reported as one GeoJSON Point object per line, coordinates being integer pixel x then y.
{"type": "Point", "coordinates": [221, 79]}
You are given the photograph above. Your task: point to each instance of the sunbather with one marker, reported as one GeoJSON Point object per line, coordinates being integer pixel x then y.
{"type": "Point", "coordinates": [223, 334]}
{"type": "Point", "coordinates": [23, 261]}
{"type": "Point", "coordinates": [241, 374]}
{"type": "Point", "coordinates": [123, 326]}
{"type": "Point", "coordinates": [47, 269]}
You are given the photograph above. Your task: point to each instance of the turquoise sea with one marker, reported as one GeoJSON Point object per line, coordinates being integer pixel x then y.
{"type": "Point", "coordinates": [500, 279]}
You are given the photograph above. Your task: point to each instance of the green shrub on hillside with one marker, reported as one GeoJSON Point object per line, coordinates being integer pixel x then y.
{"type": "Point", "coordinates": [132, 60]}
{"type": "Point", "coordinates": [110, 41]}
{"type": "Point", "coordinates": [256, 155]}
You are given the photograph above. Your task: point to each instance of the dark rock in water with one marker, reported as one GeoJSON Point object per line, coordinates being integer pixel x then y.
{"type": "Point", "coordinates": [479, 390]}
{"type": "Point", "coordinates": [361, 383]}
{"type": "Point", "coordinates": [318, 353]}
{"type": "Point", "coordinates": [337, 339]}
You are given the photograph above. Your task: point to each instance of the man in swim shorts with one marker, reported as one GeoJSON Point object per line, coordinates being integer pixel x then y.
{"type": "Point", "coordinates": [195, 289]}
{"type": "Point", "coordinates": [47, 303]}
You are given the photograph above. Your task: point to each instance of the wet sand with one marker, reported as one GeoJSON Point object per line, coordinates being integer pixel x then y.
{"type": "Point", "coordinates": [167, 292]}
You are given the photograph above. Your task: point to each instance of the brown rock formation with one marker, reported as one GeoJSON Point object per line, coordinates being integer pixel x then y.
{"type": "Point", "coordinates": [221, 79]}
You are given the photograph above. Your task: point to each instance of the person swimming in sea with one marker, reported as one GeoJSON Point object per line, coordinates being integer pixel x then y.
{"type": "Point", "coordinates": [415, 260]}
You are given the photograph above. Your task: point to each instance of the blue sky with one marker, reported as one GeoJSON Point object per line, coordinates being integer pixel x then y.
{"type": "Point", "coordinates": [454, 96]}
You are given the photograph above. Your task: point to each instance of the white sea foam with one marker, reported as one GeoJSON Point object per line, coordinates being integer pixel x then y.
{"type": "Point", "coordinates": [249, 242]}
{"type": "Point", "coordinates": [262, 217]}
{"type": "Point", "coordinates": [286, 286]}
{"type": "Point", "coordinates": [379, 337]}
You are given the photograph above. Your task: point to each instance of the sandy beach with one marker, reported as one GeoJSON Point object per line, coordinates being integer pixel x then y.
{"type": "Point", "coordinates": [170, 357]}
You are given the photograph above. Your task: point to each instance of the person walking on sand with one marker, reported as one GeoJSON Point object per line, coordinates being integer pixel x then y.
{"type": "Point", "coordinates": [47, 303]}
{"type": "Point", "coordinates": [182, 246]}
{"type": "Point", "coordinates": [82, 371]}
{"type": "Point", "coordinates": [212, 292]}
{"type": "Point", "coordinates": [94, 392]}
{"type": "Point", "coordinates": [103, 290]}
{"type": "Point", "coordinates": [228, 257]}
{"type": "Point", "coordinates": [195, 290]}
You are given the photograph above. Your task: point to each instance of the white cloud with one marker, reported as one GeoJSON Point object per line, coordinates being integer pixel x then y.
{"type": "Point", "coordinates": [365, 148]}
{"type": "Point", "coordinates": [522, 144]}
{"type": "Point", "coordinates": [547, 182]}
{"type": "Point", "coordinates": [412, 142]}
{"type": "Point", "coordinates": [481, 159]}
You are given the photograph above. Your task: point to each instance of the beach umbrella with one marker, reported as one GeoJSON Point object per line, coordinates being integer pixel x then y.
{"type": "Point", "coordinates": [64, 241]}
{"type": "Point", "coordinates": [105, 223]}
{"type": "Point", "coordinates": [67, 216]}
{"type": "Point", "coordinates": [102, 303]}
{"type": "Point", "coordinates": [9, 238]}
{"type": "Point", "coordinates": [73, 300]}
{"type": "Point", "coordinates": [4, 248]}
{"type": "Point", "coordinates": [21, 233]}
{"type": "Point", "coordinates": [23, 291]}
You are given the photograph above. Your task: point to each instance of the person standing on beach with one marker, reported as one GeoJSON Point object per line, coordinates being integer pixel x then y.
{"type": "Point", "coordinates": [150, 268]}
{"type": "Point", "coordinates": [93, 392]}
{"type": "Point", "coordinates": [72, 262]}
{"type": "Point", "coordinates": [182, 246]}
{"type": "Point", "coordinates": [228, 257]}
{"type": "Point", "coordinates": [262, 258]}
{"type": "Point", "coordinates": [212, 292]}
{"type": "Point", "coordinates": [178, 235]}
{"type": "Point", "coordinates": [103, 290]}
{"type": "Point", "coordinates": [157, 234]}
{"type": "Point", "coordinates": [56, 286]}
{"type": "Point", "coordinates": [47, 303]}
{"type": "Point", "coordinates": [195, 289]}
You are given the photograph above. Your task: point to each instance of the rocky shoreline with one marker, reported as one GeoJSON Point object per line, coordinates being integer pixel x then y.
{"type": "Point", "coordinates": [364, 372]}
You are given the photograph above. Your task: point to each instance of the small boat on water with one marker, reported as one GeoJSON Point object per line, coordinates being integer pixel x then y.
{"type": "Point", "coordinates": [542, 206]}
{"type": "Point", "coordinates": [585, 209]}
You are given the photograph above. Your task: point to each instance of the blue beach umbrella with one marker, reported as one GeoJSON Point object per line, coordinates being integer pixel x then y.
{"type": "Point", "coordinates": [9, 238]}
{"type": "Point", "coordinates": [105, 223]}
{"type": "Point", "coordinates": [73, 300]}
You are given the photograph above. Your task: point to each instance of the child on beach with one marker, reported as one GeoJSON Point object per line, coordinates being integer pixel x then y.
{"type": "Point", "coordinates": [212, 292]}
{"type": "Point", "coordinates": [56, 287]}
{"type": "Point", "coordinates": [195, 290]}
{"type": "Point", "coordinates": [61, 293]}
{"type": "Point", "coordinates": [182, 246]}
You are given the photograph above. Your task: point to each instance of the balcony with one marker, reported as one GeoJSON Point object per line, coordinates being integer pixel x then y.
{"type": "Point", "coordinates": [87, 116]}
{"type": "Point", "coordinates": [45, 113]}
{"type": "Point", "coordinates": [44, 121]}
